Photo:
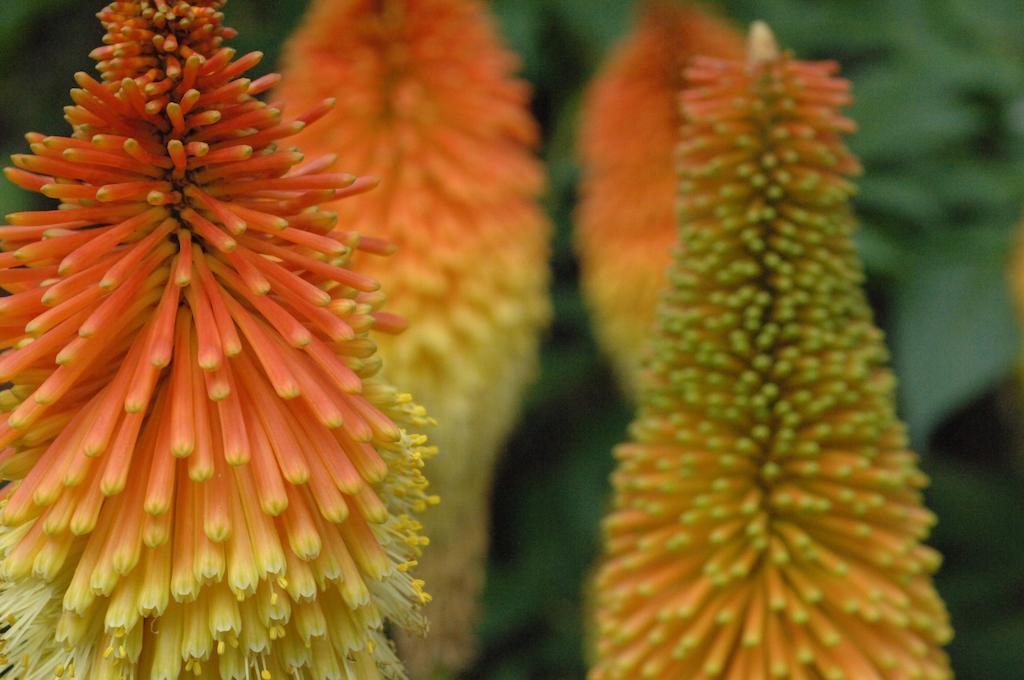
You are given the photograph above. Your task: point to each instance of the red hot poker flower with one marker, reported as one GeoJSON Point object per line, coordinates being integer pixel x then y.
{"type": "Point", "coordinates": [768, 519]}
{"type": "Point", "coordinates": [626, 224]}
{"type": "Point", "coordinates": [431, 104]}
{"type": "Point", "coordinates": [202, 477]}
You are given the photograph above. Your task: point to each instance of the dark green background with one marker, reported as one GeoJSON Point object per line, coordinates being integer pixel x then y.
{"type": "Point", "coordinates": [940, 103]}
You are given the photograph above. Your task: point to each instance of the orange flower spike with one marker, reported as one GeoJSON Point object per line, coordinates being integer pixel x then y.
{"type": "Point", "coordinates": [427, 100]}
{"type": "Point", "coordinates": [193, 425]}
{"type": "Point", "coordinates": [626, 222]}
{"type": "Point", "coordinates": [767, 517]}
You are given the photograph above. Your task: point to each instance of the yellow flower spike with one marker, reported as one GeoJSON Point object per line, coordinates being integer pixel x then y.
{"type": "Point", "coordinates": [205, 475]}
{"type": "Point", "coordinates": [1015, 279]}
{"type": "Point", "coordinates": [428, 102]}
{"type": "Point", "coordinates": [625, 224]}
{"type": "Point", "coordinates": [767, 518]}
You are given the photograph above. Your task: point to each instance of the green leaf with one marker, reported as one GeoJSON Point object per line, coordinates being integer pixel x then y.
{"type": "Point", "coordinates": [595, 23]}
{"type": "Point", "coordinates": [953, 332]}
{"type": "Point", "coordinates": [900, 198]}
{"type": "Point", "coordinates": [520, 24]}
{"type": "Point", "coordinates": [16, 16]}
{"type": "Point", "coordinates": [12, 198]}
{"type": "Point", "coordinates": [895, 126]}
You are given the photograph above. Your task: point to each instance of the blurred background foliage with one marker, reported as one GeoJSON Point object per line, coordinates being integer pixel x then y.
{"type": "Point", "coordinates": [940, 104]}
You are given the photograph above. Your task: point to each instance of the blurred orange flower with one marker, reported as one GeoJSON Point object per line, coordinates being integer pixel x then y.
{"type": "Point", "coordinates": [428, 102]}
{"type": "Point", "coordinates": [768, 519]}
{"type": "Point", "coordinates": [626, 225]}
{"type": "Point", "coordinates": [204, 479]}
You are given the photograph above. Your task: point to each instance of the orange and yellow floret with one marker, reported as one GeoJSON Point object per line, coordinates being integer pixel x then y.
{"type": "Point", "coordinates": [768, 519]}
{"type": "Point", "coordinates": [626, 223]}
{"type": "Point", "coordinates": [428, 101]}
{"type": "Point", "coordinates": [203, 478]}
